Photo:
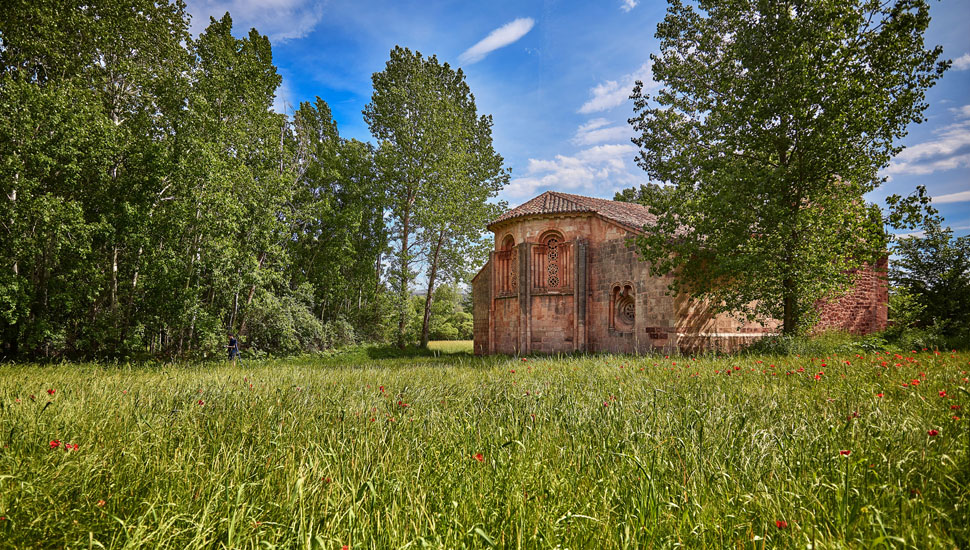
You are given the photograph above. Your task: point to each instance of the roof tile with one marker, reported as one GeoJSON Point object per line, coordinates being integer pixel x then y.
{"type": "Point", "coordinates": [631, 215]}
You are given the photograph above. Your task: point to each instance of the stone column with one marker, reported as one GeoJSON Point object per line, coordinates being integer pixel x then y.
{"type": "Point", "coordinates": [580, 296]}
{"type": "Point", "coordinates": [525, 298]}
{"type": "Point", "coordinates": [492, 279]}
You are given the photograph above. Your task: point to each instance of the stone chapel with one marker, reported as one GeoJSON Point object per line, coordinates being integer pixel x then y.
{"type": "Point", "coordinates": [562, 279]}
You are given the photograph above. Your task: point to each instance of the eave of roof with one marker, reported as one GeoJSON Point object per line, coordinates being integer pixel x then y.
{"type": "Point", "coordinates": [629, 215]}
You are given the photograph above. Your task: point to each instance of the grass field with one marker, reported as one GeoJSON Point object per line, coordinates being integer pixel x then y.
{"type": "Point", "coordinates": [369, 450]}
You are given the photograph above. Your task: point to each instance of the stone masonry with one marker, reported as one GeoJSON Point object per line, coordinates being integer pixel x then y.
{"type": "Point", "coordinates": [564, 279]}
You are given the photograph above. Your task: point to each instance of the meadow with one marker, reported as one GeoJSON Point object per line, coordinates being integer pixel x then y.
{"type": "Point", "coordinates": [368, 449]}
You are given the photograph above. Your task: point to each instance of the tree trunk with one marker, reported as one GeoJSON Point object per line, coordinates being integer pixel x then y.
{"type": "Point", "coordinates": [426, 323]}
{"type": "Point", "coordinates": [790, 320]}
{"type": "Point", "coordinates": [249, 299]}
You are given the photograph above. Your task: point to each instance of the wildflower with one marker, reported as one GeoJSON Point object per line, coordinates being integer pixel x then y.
{"type": "Point", "coordinates": [201, 402]}
{"type": "Point", "coordinates": [51, 391]}
{"type": "Point", "coordinates": [932, 433]}
{"type": "Point", "coordinates": [781, 524]}
{"type": "Point", "coordinates": [70, 447]}
{"type": "Point", "coordinates": [101, 503]}
{"type": "Point", "coordinates": [55, 443]}
{"type": "Point", "coordinates": [956, 417]}
{"type": "Point", "coordinates": [479, 457]}
{"type": "Point", "coordinates": [942, 393]}
{"type": "Point", "coordinates": [954, 407]}
{"type": "Point", "coordinates": [879, 395]}
{"type": "Point", "coordinates": [845, 452]}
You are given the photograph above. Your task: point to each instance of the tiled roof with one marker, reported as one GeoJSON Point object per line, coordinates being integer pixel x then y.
{"type": "Point", "coordinates": [631, 215]}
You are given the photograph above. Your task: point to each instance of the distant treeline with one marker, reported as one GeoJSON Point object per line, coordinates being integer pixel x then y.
{"type": "Point", "coordinates": [153, 200]}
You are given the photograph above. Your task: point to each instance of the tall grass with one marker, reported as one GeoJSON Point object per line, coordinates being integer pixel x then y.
{"type": "Point", "coordinates": [452, 451]}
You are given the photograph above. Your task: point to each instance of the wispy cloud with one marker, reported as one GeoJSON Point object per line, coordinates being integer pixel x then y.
{"type": "Point", "coordinates": [601, 170]}
{"type": "Point", "coordinates": [950, 149]}
{"type": "Point", "coordinates": [962, 63]}
{"type": "Point", "coordinates": [962, 196]}
{"type": "Point", "coordinates": [500, 37]}
{"type": "Point", "coordinates": [599, 130]}
{"type": "Point", "coordinates": [611, 93]}
{"type": "Point", "coordinates": [628, 5]}
{"type": "Point", "coordinates": [280, 20]}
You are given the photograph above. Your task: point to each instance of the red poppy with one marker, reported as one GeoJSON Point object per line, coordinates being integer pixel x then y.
{"type": "Point", "coordinates": [932, 433]}
{"type": "Point", "coordinates": [845, 452]}
{"type": "Point", "coordinates": [942, 393]}
{"type": "Point", "coordinates": [479, 457]}
{"type": "Point", "coordinates": [954, 407]}
{"type": "Point", "coordinates": [781, 524]}
{"type": "Point", "coordinates": [201, 402]}
{"type": "Point", "coordinates": [51, 391]}
{"type": "Point", "coordinates": [878, 395]}
{"type": "Point", "coordinates": [55, 443]}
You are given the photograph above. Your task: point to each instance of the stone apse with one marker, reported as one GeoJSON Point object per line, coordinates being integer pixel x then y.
{"type": "Point", "coordinates": [563, 279]}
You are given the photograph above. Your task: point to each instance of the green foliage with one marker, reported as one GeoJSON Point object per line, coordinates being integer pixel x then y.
{"type": "Point", "coordinates": [771, 125]}
{"type": "Point", "coordinates": [440, 170]}
{"type": "Point", "coordinates": [153, 201]}
{"type": "Point", "coordinates": [931, 276]}
{"type": "Point", "coordinates": [603, 452]}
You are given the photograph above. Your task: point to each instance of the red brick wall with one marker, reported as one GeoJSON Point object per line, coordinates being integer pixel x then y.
{"type": "Point", "coordinates": [862, 310]}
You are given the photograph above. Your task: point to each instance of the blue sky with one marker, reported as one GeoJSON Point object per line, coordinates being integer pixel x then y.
{"type": "Point", "coordinates": [556, 75]}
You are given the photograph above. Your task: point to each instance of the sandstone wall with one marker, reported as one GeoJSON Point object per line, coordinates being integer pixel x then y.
{"type": "Point", "coordinates": [481, 304]}
{"type": "Point", "coordinates": [863, 309]}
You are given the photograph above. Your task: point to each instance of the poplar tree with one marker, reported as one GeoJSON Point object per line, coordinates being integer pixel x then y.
{"type": "Point", "coordinates": [771, 124]}
{"type": "Point", "coordinates": [440, 170]}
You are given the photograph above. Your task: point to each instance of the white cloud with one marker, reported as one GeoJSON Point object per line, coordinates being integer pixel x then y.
{"type": "Point", "coordinates": [629, 5]}
{"type": "Point", "coordinates": [599, 130]}
{"type": "Point", "coordinates": [500, 37]}
{"type": "Point", "coordinates": [950, 149]}
{"type": "Point", "coordinates": [962, 196]}
{"type": "Point", "coordinates": [611, 93]}
{"type": "Point", "coordinates": [280, 20]}
{"type": "Point", "coordinates": [962, 63]}
{"type": "Point", "coordinates": [599, 171]}
{"type": "Point", "coordinates": [283, 102]}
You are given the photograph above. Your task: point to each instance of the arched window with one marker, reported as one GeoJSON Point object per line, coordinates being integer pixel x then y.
{"type": "Point", "coordinates": [623, 309]}
{"type": "Point", "coordinates": [508, 243]}
{"type": "Point", "coordinates": [508, 263]}
{"type": "Point", "coordinates": [552, 240]}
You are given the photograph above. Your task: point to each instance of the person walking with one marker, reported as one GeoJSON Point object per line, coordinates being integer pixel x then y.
{"type": "Point", "coordinates": [233, 348]}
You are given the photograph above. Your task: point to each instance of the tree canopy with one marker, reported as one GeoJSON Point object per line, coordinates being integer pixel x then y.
{"type": "Point", "coordinates": [771, 124]}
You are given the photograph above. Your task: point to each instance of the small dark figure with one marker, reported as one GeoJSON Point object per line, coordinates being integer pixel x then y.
{"type": "Point", "coordinates": [233, 347]}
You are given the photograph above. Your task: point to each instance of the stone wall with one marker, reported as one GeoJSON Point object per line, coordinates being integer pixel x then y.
{"type": "Point", "coordinates": [553, 320]}
{"type": "Point", "coordinates": [505, 321]}
{"type": "Point", "coordinates": [863, 309]}
{"type": "Point", "coordinates": [578, 318]}
{"type": "Point", "coordinates": [481, 304]}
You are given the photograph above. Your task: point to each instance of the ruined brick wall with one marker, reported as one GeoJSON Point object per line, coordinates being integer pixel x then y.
{"type": "Point", "coordinates": [864, 309]}
{"type": "Point", "coordinates": [481, 303]}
